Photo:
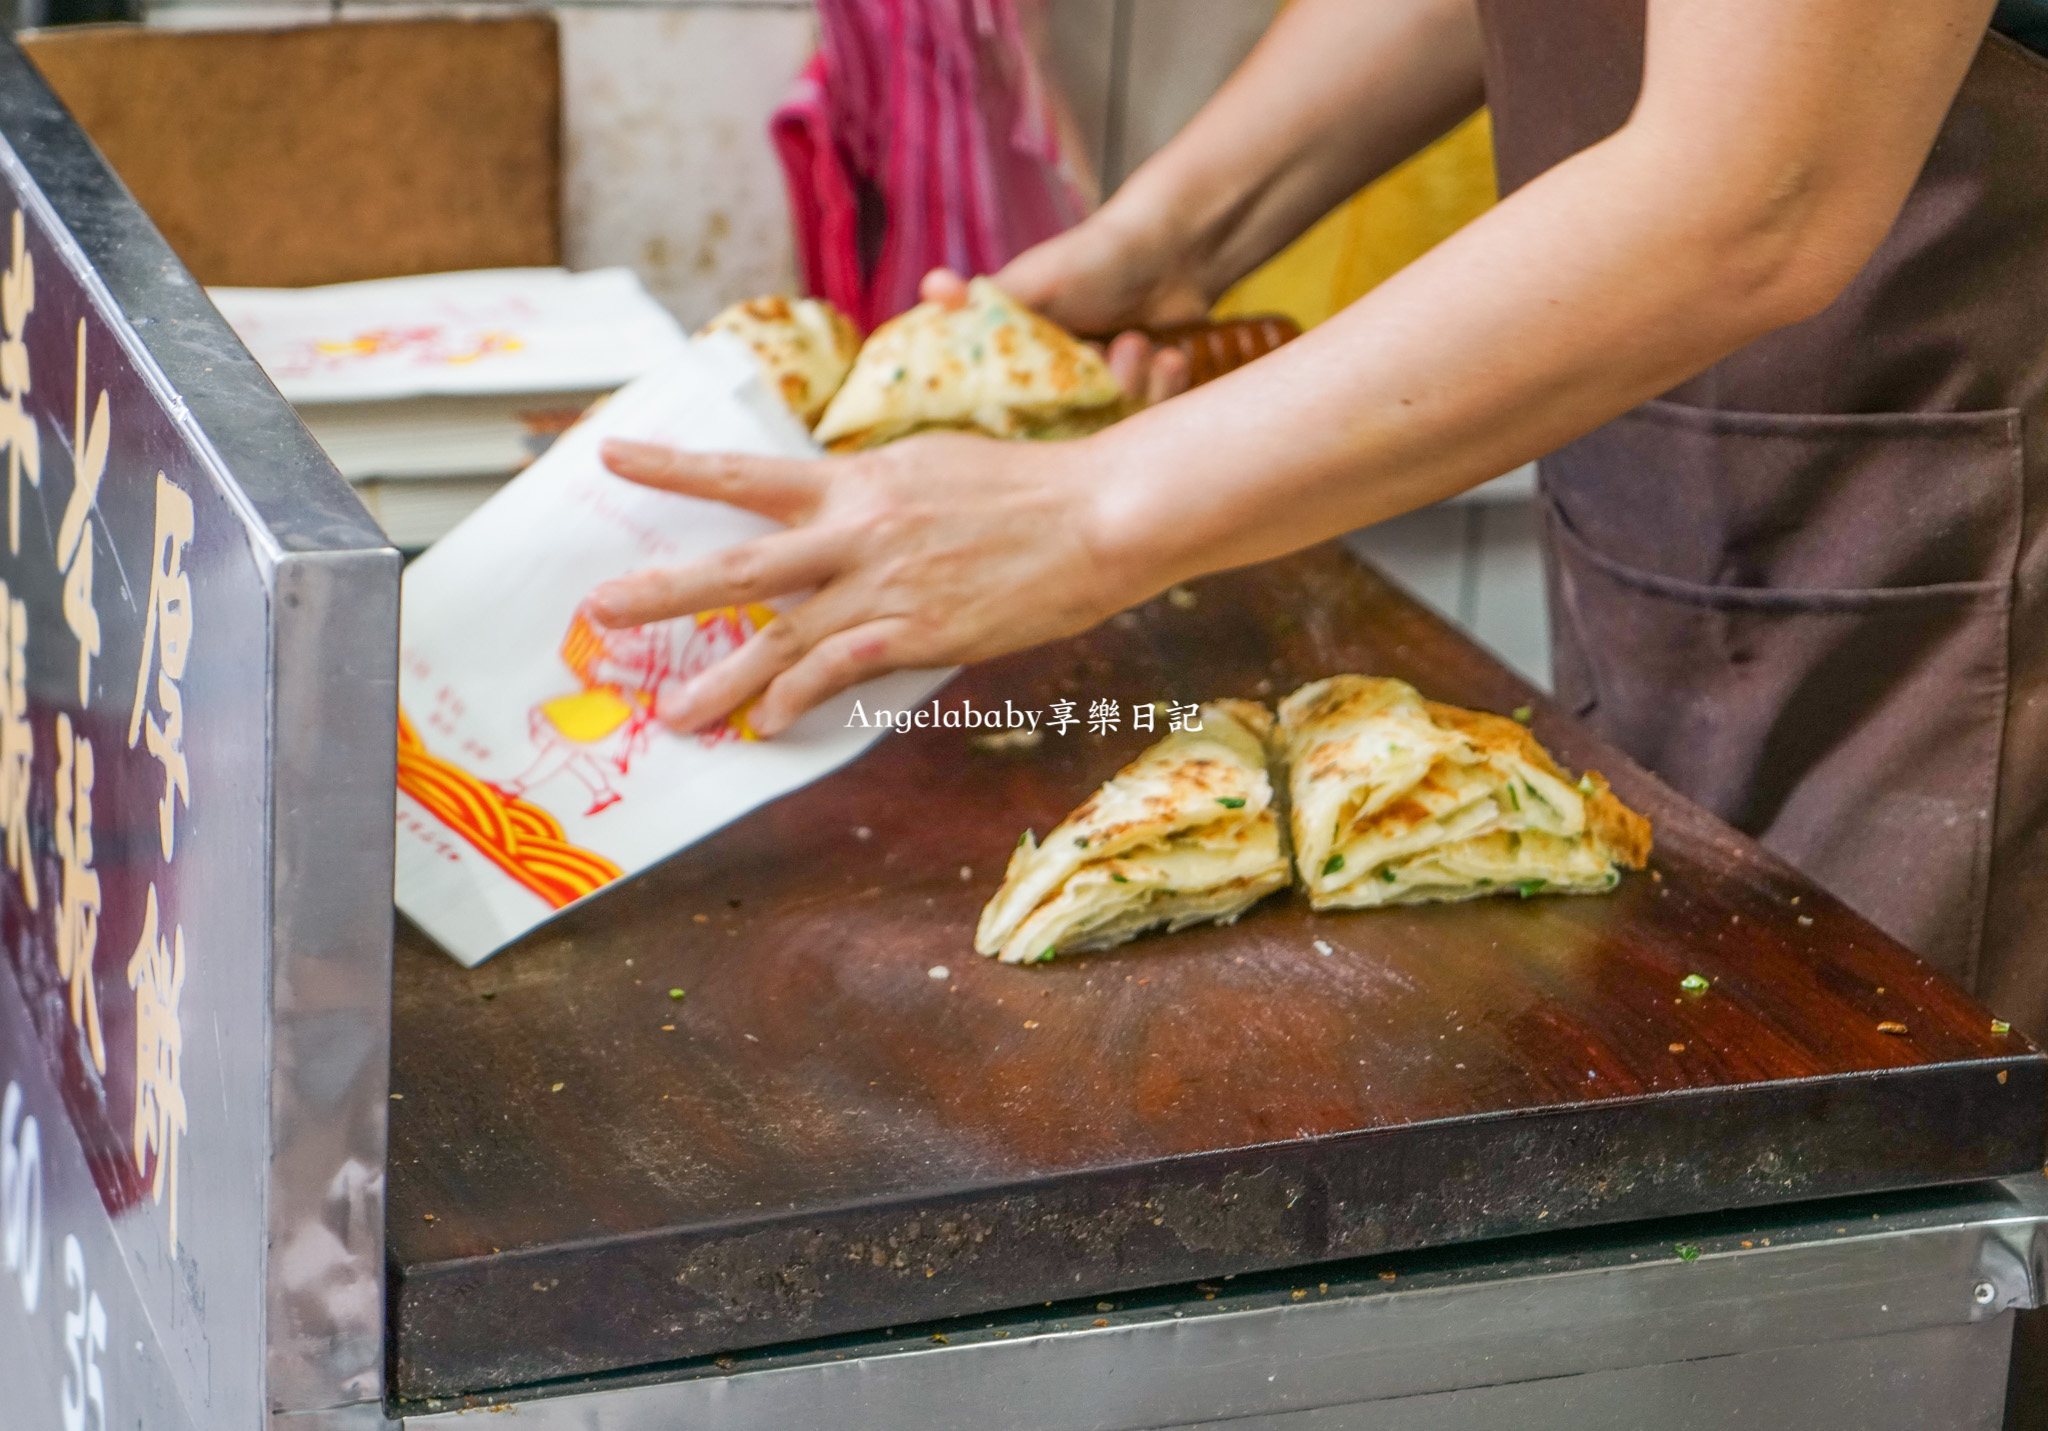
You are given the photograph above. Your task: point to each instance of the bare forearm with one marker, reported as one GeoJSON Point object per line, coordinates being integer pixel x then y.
{"type": "Point", "coordinates": [1337, 93]}
{"type": "Point", "coordinates": [1609, 280]}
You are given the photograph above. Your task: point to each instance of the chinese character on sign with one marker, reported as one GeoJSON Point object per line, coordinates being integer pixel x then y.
{"type": "Point", "coordinates": [78, 901]}
{"type": "Point", "coordinates": [17, 428]}
{"type": "Point", "coordinates": [74, 535]}
{"type": "Point", "coordinates": [1186, 717]}
{"type": "Point", "coordinates": [166, 643]}
{"type": "Point", "coordinates": [157, 975]}
{"type": "Point", "coordinates": [17, 741]}
{"type": "Point", "coordinates": [1062, 716]}
{"type": "Point", "coordinates": [1103, 717]}
{"type": "Point", "coordinates": [1142, 716]}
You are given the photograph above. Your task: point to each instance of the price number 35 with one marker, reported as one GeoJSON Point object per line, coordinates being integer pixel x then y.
{"type": "Point", "coordinates": [83, 1396]}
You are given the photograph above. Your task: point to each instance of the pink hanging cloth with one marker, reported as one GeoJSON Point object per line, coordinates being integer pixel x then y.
{"type": "Point", "coordinates": [922, 134]}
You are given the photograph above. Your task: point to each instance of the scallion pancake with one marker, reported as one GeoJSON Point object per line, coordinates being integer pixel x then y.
{"type": "Point", "coordinates": [1398, 800]}
{"type": "Point", "coordinates": [1187, 832]}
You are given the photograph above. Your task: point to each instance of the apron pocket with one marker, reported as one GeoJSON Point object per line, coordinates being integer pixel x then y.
{"type": "Point", "coordinates": [1800, 622]}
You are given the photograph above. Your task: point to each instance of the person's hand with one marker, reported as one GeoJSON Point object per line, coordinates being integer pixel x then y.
{"type": "Point", "coordinates": [932, 551]}
{"type": "Point", "coordinates": [1146, 372]}
{"type": "Point", "coordinates": [1112, 271]}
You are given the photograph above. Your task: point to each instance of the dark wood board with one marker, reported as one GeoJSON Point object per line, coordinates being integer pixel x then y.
{"type": "Point", "coordinates": [822, 1137]}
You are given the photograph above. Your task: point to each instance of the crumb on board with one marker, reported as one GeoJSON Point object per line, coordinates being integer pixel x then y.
{"type": "Point", "coordinates": [557, 1088]}
{"type": "Point", "coordinates": [1031, 1023]}
{"type": "Point", "coordinates": [966, 873]}
{"type": "Point", "coordinates": [1892, 1027]}
{"type": "Point", "coordinates": [1677, 1048]}
{"type": "Point", "coordinates": [1806, 921]}
{"type": "Point", "coordinates": [700, 918]}
{"type": "Point", "coordinates": [862, 832]}
{"type": "Point", "coordinates": [938, 971]}
{"type": "Point", "coordinates": [1387, 1276]}
{"type": "Point", "coordinates": [1322, 947]}
{"type": "Point", "coordinates": [1182, 598]}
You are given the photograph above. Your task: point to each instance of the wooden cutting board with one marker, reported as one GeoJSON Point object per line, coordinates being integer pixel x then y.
{"type": "Point", "coordinates": [851, 1120]}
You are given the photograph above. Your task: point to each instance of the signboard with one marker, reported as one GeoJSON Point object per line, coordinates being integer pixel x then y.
{"type": "Point", "coordinates": [190, 1161]}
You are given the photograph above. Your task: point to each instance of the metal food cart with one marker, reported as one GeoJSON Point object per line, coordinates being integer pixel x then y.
{"type": "Point", "coordinates": [1410, 1170]}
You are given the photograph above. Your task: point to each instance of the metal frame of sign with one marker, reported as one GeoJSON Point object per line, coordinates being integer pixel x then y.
{"type": "Point", "coordinates": [198, 645]}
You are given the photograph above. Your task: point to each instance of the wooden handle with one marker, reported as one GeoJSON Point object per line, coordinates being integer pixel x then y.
{"type": "Point", "coordinates": [1213, 349]}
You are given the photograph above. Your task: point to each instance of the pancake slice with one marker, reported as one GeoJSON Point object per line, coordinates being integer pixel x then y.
{"type": "Point", "coordinates": [1399, 800]}
{"type": "Point", "coordinates": [806, 347]}
{"type": "Point", "coordinates": [1187, 832]}
{"type": "Point", "coordinates": [990, 365]}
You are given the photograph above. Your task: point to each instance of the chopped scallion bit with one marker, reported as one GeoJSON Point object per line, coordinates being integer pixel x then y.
{"type": "Point", "coordinates": [1523, 713]}
{"type": "Point", "coordinates": [1333, 864]}
{"type": "Point", "coordinates": [1231, 802]}
{"type": "Point", "coordinates": [1687, 1251]}
{"type": "Point", "coordinates": [2000, 1026]}
{"type": "Point", "coordinates": [1527, 887]}
{"type": "Point", "coordinates": [1692, 983]}
{"type": "Point", "coordinates": [675, 993]}
{"type": "Point", "coordinates": [1118, 878]}
{"type": "Point", "coordinates": [1387, 874]}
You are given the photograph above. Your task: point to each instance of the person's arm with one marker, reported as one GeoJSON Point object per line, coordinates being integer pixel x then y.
{"type": "Point", "coordinates": [1768, 155]}
{"type": "Point", "coordinates": [1336, 93]}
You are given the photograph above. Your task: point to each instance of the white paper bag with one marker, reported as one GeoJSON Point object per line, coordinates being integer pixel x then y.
{"type": "Point", "coordinates": [531, 769]}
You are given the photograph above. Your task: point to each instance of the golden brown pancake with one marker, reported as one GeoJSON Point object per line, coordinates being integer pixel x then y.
{"type": "Point", "coordinates": [1186, 832]}
{"type": "Point", "coordinates": [990, 365]}
{"type": "Point", "coordinates": [806, 347]}
{"type": "Point", "coordinates": [1398, 800]}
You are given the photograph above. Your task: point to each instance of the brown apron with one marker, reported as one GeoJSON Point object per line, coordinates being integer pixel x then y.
{"type": "Point", "coordinates": [1809, 587]}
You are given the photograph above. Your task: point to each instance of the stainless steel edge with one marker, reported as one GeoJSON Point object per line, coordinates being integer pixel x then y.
{"type": "Point", "coordinates": [368, 1417]}
{"type": "Point", "coordinates": [334, 588]}
{"type": "Point", "coordinates": [334, 747]}
{"type": "Point", "coordinates": [1931, 1379]}
{"type": "Point", "coordinates": [1833, 1274]}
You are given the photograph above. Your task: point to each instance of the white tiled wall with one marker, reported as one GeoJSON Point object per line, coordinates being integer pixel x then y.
{"type": "Point", "coordinates": [668, 167]}
{"type": "Point", "coordinates": [669, 170]}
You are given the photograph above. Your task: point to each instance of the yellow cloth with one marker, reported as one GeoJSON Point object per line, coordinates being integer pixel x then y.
{"type": "Point", "coordinates": [1377, 231]}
